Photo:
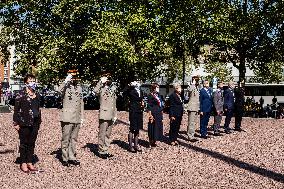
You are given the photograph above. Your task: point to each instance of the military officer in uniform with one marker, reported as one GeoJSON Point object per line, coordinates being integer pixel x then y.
{"type": "Point", "coordinates": [193, 108]}
{"type": "Point", "coordinates": [106, 90]}
{"type": "Point", "coordinates": [71, 117]}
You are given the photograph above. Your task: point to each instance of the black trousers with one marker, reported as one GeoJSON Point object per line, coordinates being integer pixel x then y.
{"type": "Point", "coordinates": [229, 115]}
{"type": "Point", "coordinates": [174, 128]}
{"type": "Point", "coordinates": [28, 136]}
{"type": "Point", "coordinates": [238, 119]}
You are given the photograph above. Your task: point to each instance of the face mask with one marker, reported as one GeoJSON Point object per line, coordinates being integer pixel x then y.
{"type": "Point", "coordinates": [31, 85]}
{"type": "Point", "coordinates": [157, 89]}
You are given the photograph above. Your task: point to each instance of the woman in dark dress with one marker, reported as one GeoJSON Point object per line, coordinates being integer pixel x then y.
{"type": "Point", "coordinates": [136, 106]}
{"type": "Point", "coordinates": [27, 119]}
{"type": "Point", "coordinates": [155, 113]}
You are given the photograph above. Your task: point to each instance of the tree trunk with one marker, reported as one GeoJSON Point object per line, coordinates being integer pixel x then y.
{"type": "Point", "coordinates": [242, 70]}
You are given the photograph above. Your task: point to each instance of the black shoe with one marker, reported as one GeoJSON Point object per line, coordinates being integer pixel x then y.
{"type": "Point", "coordinates": [109, 155]}
{"type": "Point", "coordinates": [65, 163]}
{"type": "Point", "coordinates": [103, 156]}
{"type": "Point", "coordinates": [204, 137]}
{"type": "Point", "coordinates": [228, 132]}
{"type": "Point", "coordinates": [239, 130]}
{"type": "Point", "coordinates": [217, 134]}
{"type": "Point", "coordinates": [132, 150]}
{"type": "Point", "coordinates": [137, 149]}
{"type": "Point", "coordinates": [74, 162]}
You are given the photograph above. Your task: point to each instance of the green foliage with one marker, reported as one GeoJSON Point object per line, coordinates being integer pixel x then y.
{"type": "Point", "coordinates": [143, 38]}
{"type": "Point", "coordinates": [271, 73]}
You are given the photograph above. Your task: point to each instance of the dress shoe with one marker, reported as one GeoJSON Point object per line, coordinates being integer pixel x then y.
{"type": "Point", "coordinates": [132, 150]}
{"type": "Point", "coordinates": [25, 171]}
{"type": "Point", "coordinates": [228, 131]}
{"type": "Point", "coordinates": [137, 149]}
{"type": "Point", "coordinates": [74, 162]}
{"type": "Point", "coordinates": [204, 137]}
{"type": "Point", "coordinates": [109, 155]}
{"type": "Point", "coordinates": [217, 134]}
{"type": "Point", "coordinates": [65, 163]}
{"type": "Point", "coordinates": [239, 130]}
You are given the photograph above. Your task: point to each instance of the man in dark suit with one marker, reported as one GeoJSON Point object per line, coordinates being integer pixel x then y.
{"type": "Point", "coordinates": [175, 113]}
{"type": "Point", "coordinates": [206, 102]}
{"type": "Point", "coordinates": [229, 102]}
{"type": "Point", "coordinates": [239, 105]}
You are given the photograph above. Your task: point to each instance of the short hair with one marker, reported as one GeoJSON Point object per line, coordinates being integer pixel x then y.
{"type": "Point", "coordinates": [176, 85]}
{"type": "Point", "coordinates": [28, 76]}
{"type": "Point", "coordinates": [231, 83]}
{"type": "Point", "coordinates": [154, 86]}
{"type": "Point", "coordinates": [205, 81]}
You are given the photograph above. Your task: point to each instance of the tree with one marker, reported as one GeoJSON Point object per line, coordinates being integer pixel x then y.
{"type": "Point", "coordinates": [93, 36]}
{"type": "Point", "coordinates": [245, 30]}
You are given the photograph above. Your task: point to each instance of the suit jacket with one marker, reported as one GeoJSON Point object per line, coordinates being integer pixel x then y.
{"type": "Point", "coordinates": [218, 99]}
{"type": "Point", "coordinates": [176, 105]}
{"type": "Point", "coordinates": [193, 94]}
{"type": "Point", "coordinates": [240, 99]}
{"type": "Point", "coordinates": [73, 105]}
{"type": "Point", "coordinates": [229, 99]}
{"type": "Point", "coordinates": [107, 97]}
{"type": "Point", "coordinates": [23, 114]}
{"type": "Point", "coordinates": [135, 101]}
{"type": "Point", "coordinates": [206, 100]}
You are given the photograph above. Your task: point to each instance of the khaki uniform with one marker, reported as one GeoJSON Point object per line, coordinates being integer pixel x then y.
{"type": "Point", "coordinates": [71, 116]}
{"type": "Point", "coordinates": [192, 109]}
{"type": "Point", "coordinates": [107, 115]}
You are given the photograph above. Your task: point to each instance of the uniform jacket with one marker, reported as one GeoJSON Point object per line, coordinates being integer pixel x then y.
{"type": "Point", "coordinates": [206, 100]}
{"type": "Point", "coordinates": [73, 105]}
{"type": "Point", "coordinates": [193, 103]}
{"type": "Point", "coordinates": [229, 99]}
{"type": "Point", "coordinates": [135, 101]}
{"type": "Point", "coordinates": [107, 98]}
{"type": "Point", "coordinates": [218, 100]}
{"type": "Point", "coordinates": [23, 114]}
{"type": "Point", "coordinates": [176, 105]}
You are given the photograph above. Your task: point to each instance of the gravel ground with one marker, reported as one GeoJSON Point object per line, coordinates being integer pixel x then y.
{"type": "Point", "coordinates": [251, 159]}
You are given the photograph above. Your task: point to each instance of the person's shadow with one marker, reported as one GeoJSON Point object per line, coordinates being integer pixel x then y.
{"type": "Point", "coordinates": [93, 148]}
{"type": "Point", "coordinates": [58, 154]}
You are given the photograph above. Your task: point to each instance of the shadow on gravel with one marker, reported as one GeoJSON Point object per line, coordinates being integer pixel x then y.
{"type": "Point", "coordinates": [243, 165]}
{"type": "Point", "coordinates": [93, 148]}
{"type": "Point", "coordinates": [125, 145]}
{"type": "Point", "coordinates": [58, 154]}
{"type": "Point", "coordinates": [6, 151]}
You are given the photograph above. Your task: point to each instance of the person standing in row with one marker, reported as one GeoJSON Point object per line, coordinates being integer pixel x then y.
{"type": "Point", "coordinates": [239, 105]}
{"type": "Point", "coordinates": [193, 108]}
{"type": "Point", "coordinates": [218, 99]}
{"type": "Point", "coordinates": [136, 107]}
{"type": "Point", "coordinates": [206, 102]}
{"type": "Point", "coordinates": [27, 120]}
{"type": "Point", "coordinates": [71, 117]}
{"type": "Point", "coordinates": [229, 103]}
{"type": "Point", "coordinates": [106, 90]}
{"type": "Point", "coordinates": [175, 113]}
{"type": "Point", "coordinates": [155, 114]}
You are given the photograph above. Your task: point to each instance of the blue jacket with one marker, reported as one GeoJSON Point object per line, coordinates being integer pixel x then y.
{"type": "Point", "coordinates": [229, 99]}
{"type": "Point", "coordinates": [205, 100]}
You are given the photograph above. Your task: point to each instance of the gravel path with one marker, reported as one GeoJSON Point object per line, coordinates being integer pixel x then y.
{"type": "Point", "coordinates": [251, 159]}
